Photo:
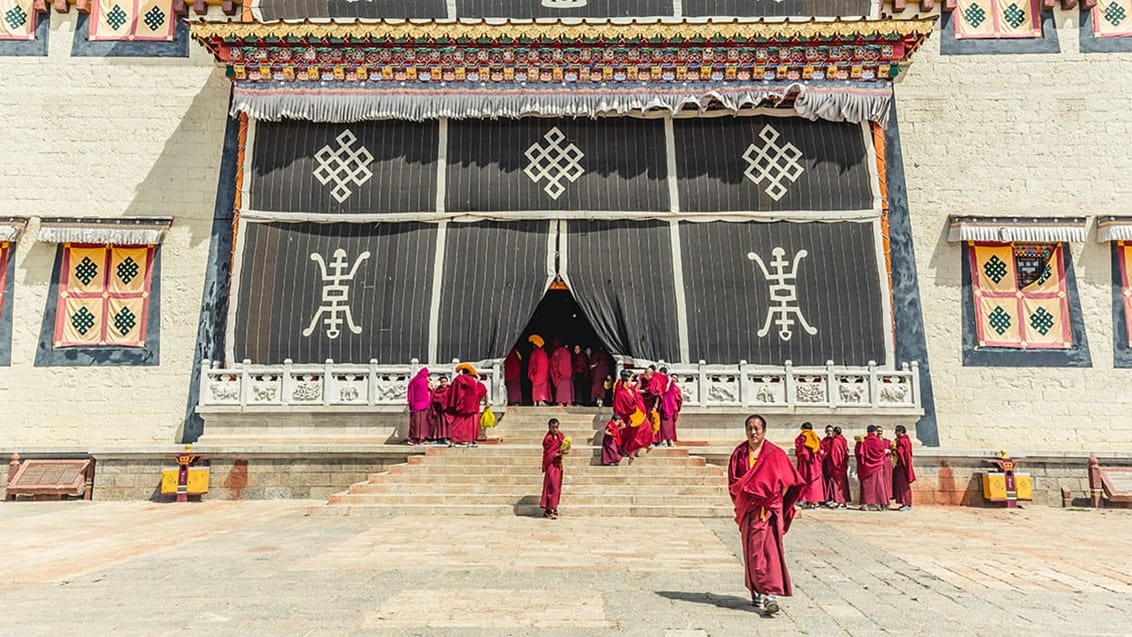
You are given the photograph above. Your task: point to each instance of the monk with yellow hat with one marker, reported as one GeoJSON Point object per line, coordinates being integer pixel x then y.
{"type": "Point", "coordinates": [538, 371]}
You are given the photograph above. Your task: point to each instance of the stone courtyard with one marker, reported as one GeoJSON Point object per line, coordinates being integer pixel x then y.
{"type": "Point", "coordinates": [265, 568]}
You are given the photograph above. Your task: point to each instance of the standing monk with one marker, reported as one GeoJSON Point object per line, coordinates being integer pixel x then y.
{"type": "Point", "coordinates": [903, 475]}
{"type": "Point", "coordinates": [886, 477]}
{"type": "Point", "coordinates": [807, 453]}
{"type": "Point", "coordinates": [552, 450]}
{"type": "Point", "coordinates": [671, 402]}
{"type": "Point", "coordinates": [764, 488]}
{"type": "Point", "coordinates": [538, 371]}
{"type": "Point", "coordinates": [611, 442]}
{"type": "Point", "coordinates": [870, 469]}
{"type": "Point", "coordinates": [599, 374]}
{"type": "Point", "coordinates": [839, 470]}
{"type": "Point", "coordinates": [651, 388]}
{"type": "Point", "coordinates": [826, 466]}
{"type": "Point", "coordinates": [581, 365]}
{"type": "Point", "coordinates": [464, 405]}
{"type": "Point", "coordinates": [419, 399]}
{"type": "Point", "coordinates": [629, 407]}
{"type": "Point", "coordinates": [562, 373]}
{"type": "Point", "coordinates": [512, 373]}
{"type": "Point", "coordinates": [439, 423]}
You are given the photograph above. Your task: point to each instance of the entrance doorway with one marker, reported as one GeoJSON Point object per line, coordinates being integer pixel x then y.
{"type": "Point", "coordinates": [559, 319]}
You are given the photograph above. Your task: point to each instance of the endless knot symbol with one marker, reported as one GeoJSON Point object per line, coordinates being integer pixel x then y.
{"type": "Point", "coordinates": [154, 18]}
{"type": "Point", "coordinates": [116, 18]}
{"type": "Point", "coordinates": [86, 270]}
{"type": "Point", "coordinates": [82, 321]}
{"type": "Point", "coordinates": [344, 165]}
{"type": "Point", "coordinates": [773, 163]}
{"type": "Point", "coordinates": [127, 270]}
{"type": "Point", "coordinates": [999, 319]}
{"type": "Point", "coordinates": [1046, 274]}
{"type": "Point", "coordinates": [16, 17]}
{"type": "Point", "coordinates": [336, 294]}
{"type": "Point", "coordinates": [975, 15]}
{"type": "Point", "coordinates": [783, 307]}
{"type": "Point", "coordinates": [994, 268]}
{"type": "Point", "coordinates": [554, 162]}
{"type": "Point", "coordinates": [1114, 14]}
{"type": "Point", "coordinates": [1042, 321]}
{"type": "Point", "coordinates": [1014, 15]}
{"type": "Point", "coordinates": [124, 321]}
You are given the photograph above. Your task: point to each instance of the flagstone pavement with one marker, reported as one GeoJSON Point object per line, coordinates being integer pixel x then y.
{"type": "Point", "coordinates": [264, 568]}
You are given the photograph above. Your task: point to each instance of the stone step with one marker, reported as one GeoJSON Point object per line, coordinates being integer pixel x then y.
{"type": "Point", "coordinates": [668, 467]}
{"type": "Point", "coordinates": [509, 451]}
{"type": "Point", "coordinates": [441, 479]}
{"type": "Point", "coordinates": [536, 486]}
{"type": "Point", "coordinates": [458, 499]}
{"type": "Point", "coordinates": [529, 510]}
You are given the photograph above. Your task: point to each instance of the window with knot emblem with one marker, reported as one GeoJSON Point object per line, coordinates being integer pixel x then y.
{"type": "Point", "coordinates": [103, 295]}
{"type": "Point", "coordinates": [1020, 295]}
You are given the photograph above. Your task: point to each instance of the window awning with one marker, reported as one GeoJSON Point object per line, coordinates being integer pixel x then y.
{"type": "Point", "coordinates": [12, 227]}
{"type": "Point", "coordinates": [1114, 228]}
{"type": "Point", "coordinates": [119, 231]}
{"type": "Point", "coordinates": [1010, 229]}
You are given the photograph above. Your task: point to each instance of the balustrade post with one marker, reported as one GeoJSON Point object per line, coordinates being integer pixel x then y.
{"type": "Point", "coordinates": [788, 381]}
{"type": "Point", "coordinates": [701, 380]}
{"type": "Point", "coordinates": [914, 378]}
{"type": "Point", "coordinates": [288, 381]}
{"type": "Point", "coordinates": [874, 385]}
{"type": "Point", "coordinates": [204, 396]}
{"type": "Point", "coordinates": [245, 382]}
{"type": "Point", "coordinates": [327, 381]}
{"type": "Point", "coordinates": [832, 395]}
{"type": "Point", "coordinates": [744, 394]}
{"type": "Point", "coordinates": [371, 381]}
{"type": "Point", "coordinates": [497, 394]}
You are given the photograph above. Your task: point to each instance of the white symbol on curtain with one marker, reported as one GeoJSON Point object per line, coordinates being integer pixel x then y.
{"type": "Point", "coordinates": [336, 294]}
{"type": "Point", "coordinates": [563, 4]}
{"type": "Point", "coordinates": [783, 294]}
{"type": "Point", "coordinates": [344, 165]}
{"type": "Point", "coordinates": [773, 163]}
{"type": "Point", "coordinates": [554, 162]}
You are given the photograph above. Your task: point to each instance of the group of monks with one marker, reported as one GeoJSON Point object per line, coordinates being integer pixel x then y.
{"type": "Point", "coordinates": [884, 468]}
{"type": "Point", "coordinates": [447, 413]}
{"type": "Point", "coordinates": [561, 376]}
{"type": "Point", "coordinates": [645, 411]}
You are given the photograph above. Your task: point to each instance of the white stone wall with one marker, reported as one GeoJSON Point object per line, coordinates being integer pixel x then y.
{"type": "Point", "coordinates": [106, 137]}
{"type": "Point", "coordinates": [1028, 135]}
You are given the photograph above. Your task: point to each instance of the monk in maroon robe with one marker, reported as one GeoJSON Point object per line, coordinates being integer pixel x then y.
{"type": "Point", "coordinates": [651, 386]}
{"type": "Point", "coordinates": [599, 375]}
{"type": "Point", "coordinates": [903, 474]}
{"type": "Point", "coordinates": [581, 375]}
{"type": "Point", "coordinates": [551, 469]}
{"type": "Point", "coordinates": [562, 374]}
{"type": "Point", "coordinates": [464, 405]}
{"type": "Point", "coordinates": [439, 430]}
{"type": "Point", "coordinates": [870, 468]}
{"type": "Point", "coordinates": [807, 453]}
{"type": "Point", "coordinates": [611, 442]}
{"type": "Point", "coordinates": [512, 373]}
{"type": "Point", "coordinates": [764, 486]}
{"type": "Point", "coordinates": [419, 398]}
{"type": "Point", "coordinates": [630, 408]}
{"type": "Point", "coordinates": [839, 470]}
{"type": "Point", "coordinates": [886, 473]}
{"type": "Point", "coordinates": [826, 467]}
{"type": "Point", "coordinates": [538, 371]}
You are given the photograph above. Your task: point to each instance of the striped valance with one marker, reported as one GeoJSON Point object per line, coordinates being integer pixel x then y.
{"type": "Point", "coordinates": [1114, 228]}
{"type": "Point", "coordinates": [12, 227]}
{"type": "Point", "coordinates": [1010, 229]}
{"type": "Point", "coordinates": [120, 231]}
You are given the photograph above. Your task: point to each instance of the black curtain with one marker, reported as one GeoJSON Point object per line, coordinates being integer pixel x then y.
{"type": "Point", "coordinates": [621, 274]}
{"type": "Point", "coordinates": [495, 273]}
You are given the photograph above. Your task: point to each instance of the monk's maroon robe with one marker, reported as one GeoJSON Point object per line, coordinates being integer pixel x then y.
{"type": "Point", "coordinates": [551, 470]}
{"type": "Point", "coordinates": [464, 400]}
{"type": "Point", "coordinates": [839, 470]}
{"type": "Point", "coordinates": [651, 390]}
{"type": "Point", "coordinates": [599, 371]}
{"type": "Point", "coordinates": [512, 374]}
{"type": "Point", "coordinates": [671, 402]}
{"type": "Point", "coordinates": [764, 497]}
{"type": "Point", "coordinates": [870, 468]}
{"type": "Point", "coordinates": [581, 368]}
{"type": "Point", "coordinates": [809, 467]}
{"type": "Point", "coordinates": [562, 374]}
{"type": "Point", "coordinates": [419, 398]}
{"type": "Point", "coordinates": [903, 475]}
{"type": "Point", "coordinates": [886, 473]}
{"type": "Point", "coordinates": [611, 444]}
{"type": "Point", "coordinates": [538, 372]}
{"type": "Point", "coordinates": [626, 402]}
{"type": "Point", "coordinates": [439, 423]}
{"type": "Point", "coordinates": [826, 469]}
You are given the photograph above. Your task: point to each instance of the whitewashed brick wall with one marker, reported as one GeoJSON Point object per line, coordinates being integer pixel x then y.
{"type": "Point", "coordinates": [106, 137]}
{"type": "Point", "coordinates": [1027, 135]}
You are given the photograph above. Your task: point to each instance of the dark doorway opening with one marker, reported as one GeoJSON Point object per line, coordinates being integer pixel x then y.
{"type": "Point", "coordinates": [559, 320]}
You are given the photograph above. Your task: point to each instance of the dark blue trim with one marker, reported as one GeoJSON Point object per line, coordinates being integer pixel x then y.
{"type": "Point", "coordinates": [6, 310]}
{"type": "Point", "coordinates": [82, 47]}
{"type": "Point", "coordinates": [908, 315]}
{"type": "Point", "coordinates": [47, 356]}
{"type": "Point", "coordinates": [1121, 350]}
{"type": "Point", "coordinates": [214, 298]}
{"type": "Point", "coordinates": [950, 45]}
{"type": "Point", "coordinates": [975, 356]}
{"type": "Point", "coordinates": [1090, 43]}
{"type": "Point", "coordinates": [30, 48]}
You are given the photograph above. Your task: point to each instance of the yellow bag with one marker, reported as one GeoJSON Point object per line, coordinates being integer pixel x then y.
{"type": "Point", "coordinates": [487, 420]}
{"type": "Point", "coordinates": [637, 418]}
{"type": "Point", "coordinates": [654, 417]}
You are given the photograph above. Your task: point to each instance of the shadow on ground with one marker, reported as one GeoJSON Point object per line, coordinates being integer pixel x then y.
{"type": "Point", "coordinates": [712, 599]}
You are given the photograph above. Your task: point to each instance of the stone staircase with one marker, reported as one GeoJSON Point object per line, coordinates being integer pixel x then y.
{"type": "Point", "coordinates": [506, 478]}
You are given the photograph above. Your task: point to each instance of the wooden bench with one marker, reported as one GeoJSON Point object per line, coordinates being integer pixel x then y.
{"type": "Point", "coordinates": [1109, 483]}
{"type": "Point", "coordinates": [50, 479]}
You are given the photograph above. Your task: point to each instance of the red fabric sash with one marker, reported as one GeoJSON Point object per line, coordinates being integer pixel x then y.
{"type": "Point", "coordinates": [872, 456]}
{"type": "Point", "coordinates": [904, 455]}
{"type": "Point", "coordinates": [552, 449]}
{"type": "Point", "coordinates": [771, 486]}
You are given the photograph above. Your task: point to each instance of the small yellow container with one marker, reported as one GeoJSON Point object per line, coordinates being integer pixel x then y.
{"type": "Point", "coordinates": [198, 481]}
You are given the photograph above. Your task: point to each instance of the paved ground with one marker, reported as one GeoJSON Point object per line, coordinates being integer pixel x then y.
{"type": "Point", "coordinates": [263, 568]}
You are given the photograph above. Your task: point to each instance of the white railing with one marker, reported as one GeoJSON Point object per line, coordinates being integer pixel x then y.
{"type": "Point", "coordinates": [828, 387]}
{"type": "Point", "coordinates": [330, 384]}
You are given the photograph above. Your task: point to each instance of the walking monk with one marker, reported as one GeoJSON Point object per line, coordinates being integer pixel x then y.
{"type": "Point", "coordinates": [562, 373]}
{"type": "Point", "coordinates": [826, 466]}
{"type": "Point", "coordinates": [464, 405]}
{"type": "Point", "coordinates": [439, 430]}
{"type": "Point", "coordinates": [611, 442]}
{"type": "Point", "coordinates": [630, 407]}
{"type": "Point", "coordinates": [903, 475]}
{"type": "Point", "coordinates": [553, 444]}
{"type": "Point", "coordinates": [419, 398]}
{"type": "Point", "coordinates": [764, 488]}
{"type": "Point", "coordinates": [512, 372]}
{"type": "Point", "coordinates": [807, 453]}
{"type": "Point", "coordinates": [538, 371]}
{"type": "Point", "coordinates": [839, 470]}
{"type": "Point", "coordinates": [671, 402]}
{"type": "Point", "coordinates": [870, 468]}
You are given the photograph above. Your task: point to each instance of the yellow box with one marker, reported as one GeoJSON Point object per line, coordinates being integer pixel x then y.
{"type": "Point", "coordinates": [1025, 485]}
{"type": "Point", "coordinates": [994, 487]}
{"type": "Point", "coordinates": [198, 481]}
